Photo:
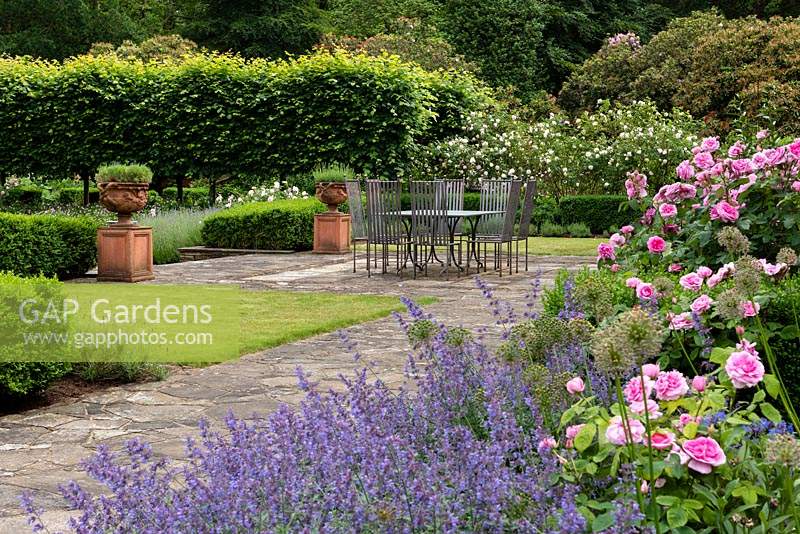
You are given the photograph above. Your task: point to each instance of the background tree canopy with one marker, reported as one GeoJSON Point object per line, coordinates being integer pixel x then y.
{"type": "Point", "coordinates": [530, 45]}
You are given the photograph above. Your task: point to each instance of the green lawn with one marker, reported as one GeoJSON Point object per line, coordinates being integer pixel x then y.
{"type": "Point", "coordinates": [272, 318]}
{"type": "Point", "coordinates": [553, 246]}
{"type": "Point", "coordinates": [564, 246]}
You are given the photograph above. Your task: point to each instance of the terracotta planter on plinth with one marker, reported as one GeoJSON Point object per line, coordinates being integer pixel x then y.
{"type": "Point", "coordinates": [331, 233]}
{"type": "Point", "coordinates": [124, 249]}
{"type": "Point", "coordinates": [332, 194]}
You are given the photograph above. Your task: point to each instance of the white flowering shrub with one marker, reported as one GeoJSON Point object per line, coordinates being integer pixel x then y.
{"type": "Point", "coordinates": [589, 154]}
{"type": "Point", "coordinates": [277, 191]}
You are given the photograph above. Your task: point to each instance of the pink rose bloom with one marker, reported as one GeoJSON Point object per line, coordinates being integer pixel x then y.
{"type": "Point", "coordinates": [615, 267]}
{"type": "Point", "coordinates": [775, 156]}
{"type": "Point", "coordinates": [704, 454]}
{"type": "Point", "coordinates": [770, 269]}
{"type": "Point", "coordinates": [656, 244]}
{"type": "Point", "coordinates": [704, 160]}
{"type": "Point", "coordinates": [739, 330]}
{"type": "Point", "coordinates": [742, 166]}
{"type": "Point", "coordinates": [762, 134]}
{"type": "Point", "coordinates": [675, 268]}
{"type": "Point", "coordinates": [682, 321]}
{"type": "Point", "coordinates": [699, 383]}
{"type": "Point", "coordinates": [685, 419]}
{"type": "Point", "coordinates": [668, 210]}
{"type": "Point", "coordinates": [651, 370]}
{"type": "Point", "coordinates": [615, 433]}
{"type": "Point", "coordinates": [649, 214]}
{"type": "Point", "coordinates": [605, 251]}
{"type": "Point", "coordinates": [749, 308]}
{"type": "Point", "coordinates": [571, 432]}
{"type": "Point", "coordinates": [653, 412]}
{"type": "Point", "coordinates": [796, 186]}
{"type": "Point", "coordinates": [736, 150]}
{"type": "Point", "coordinates": [747, 346]}
{"type": "Point", "coordinates": [759, 159]}
{"type": "Point", "coordinates": [676, 449]}
{"type": "Point", "coordinates": [724, 211]}
{"type": "Point", "coordinates": [704, 271]}
{"type": "Point", "coordinates": [617, 240]}
{"type": "Point", "coordinates": [744, 369]}
{"type": "Point", "coordinates": [691, 281]}
{"type": "Point", "coordinates": [632, 282]}
{"type": "Point", "coordinates": [685, 170]}
{"type": "Point", "coordinates": [671, 385]}
{"type": "Point", "coordinates": [713, 280]}
{"type": "Point", "coordinates": [627, 229]}
{"type": "Point", "coordinates": [709, 144]}
{"type": "Point", "coordinates": [794, 148]}
{"type": "Point", "coordinates": [575, 385]}
{"type": "Point", "coordinates": [547, 443]}
{"type": "Point", "coordinates": [701, 304]}
{"type": "Point", "coordinates": [633, 389]}
{"type": "Point", "coordinates": [662, 440]}
{"type": "Point", "coordinates": [645, 291]}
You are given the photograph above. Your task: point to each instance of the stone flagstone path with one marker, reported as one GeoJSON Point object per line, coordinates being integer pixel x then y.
{"type": "Point", "coordinates": [42, 448]}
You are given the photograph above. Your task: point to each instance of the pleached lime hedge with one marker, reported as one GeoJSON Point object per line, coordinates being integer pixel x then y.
{"type": "Point", "coordinates": [50, 245]}
{"type": "Point", "coordinates": [210, 115]}
{"type": "Point", "coordinates": [279, 225]}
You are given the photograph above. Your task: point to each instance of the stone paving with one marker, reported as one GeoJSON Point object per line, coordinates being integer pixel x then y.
{"type": "Point", "coordinates": [42, 448]}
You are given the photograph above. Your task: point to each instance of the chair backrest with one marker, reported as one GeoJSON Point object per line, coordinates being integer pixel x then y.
{"type": "Point", "coordinates": [429, 212]}
{"type": "Point", "coordinates": [497, 195]}
{"type": "Point", "coordinates": [358, 226]}
{"type": "Point", "coordinates": [527, 210]}
{"type": "Point", "coordinates": [455, 194]}
{"type": "Point", "coordinates": [384, 222]}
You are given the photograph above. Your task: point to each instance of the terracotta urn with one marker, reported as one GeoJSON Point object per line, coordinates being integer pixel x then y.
{"type": "Point", "coordinates": [332, 194]}
{"type": "Point", "coordinates": [123, 199]}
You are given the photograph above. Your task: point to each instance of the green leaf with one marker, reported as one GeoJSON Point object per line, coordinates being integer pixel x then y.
{"type": "Point", "coordinates": [690, 430]}
{"type": "Point", "coordinates": [585, 437]}
{"type": "Point", "coordinates": [602, 522]}
{"type": "Point", "coordinates": [720, 355]}
{"type": "Point", "coordinates": [770, 412]}
{"type": "Point", "coordinates": [772, 386]}
{"type": "Point", "coordinates": [667, 500]}
{"type": "Point", "coordinates": [676, 517]}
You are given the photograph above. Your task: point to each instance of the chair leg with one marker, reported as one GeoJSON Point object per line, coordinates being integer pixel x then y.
{"type": "Point", "coordinates": [353, 244]}
{"type": "Point", "coordinates": [526, 255]}
{"type": "Point", "coordinates": [369, 270]}
{"type": "Point", "coordinates": [516, 260]}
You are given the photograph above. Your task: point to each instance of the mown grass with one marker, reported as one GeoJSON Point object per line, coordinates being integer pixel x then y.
{"type": "Point", "coordinates": [273, 318]}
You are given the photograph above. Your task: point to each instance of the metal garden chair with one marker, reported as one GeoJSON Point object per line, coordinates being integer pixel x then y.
{"type": "Point", "coordinates": [525, 221]}
{"type": "Point", "coordinates": [429, 224]}
{"type": "Point", "coordinates": [358, 225]}
{"type": "Point", "coordinates": [385, 226]}
{"type": "Point", "coordinates": [498, 229]}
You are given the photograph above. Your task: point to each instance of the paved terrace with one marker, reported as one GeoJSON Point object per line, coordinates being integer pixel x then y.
{"type": "Point", "coordinates": [42, 448]}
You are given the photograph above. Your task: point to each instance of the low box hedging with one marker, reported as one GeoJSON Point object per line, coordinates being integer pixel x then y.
{"type": "Point", "coordinates": [192, 196]}
{"type": "Point", "coordinates": [279, 225]}
{"type": "Point", "coordinates": [23, 378]}
{"type": "Point", "coordinates": [28, 196]}
{"type": "Point", "coordinates": [50, 245]}
{"type": "Point", "coordinates": [472, 201]}
{"type": "Point", "coordinates": [784, 309]}
{"type": "Point", "coordinates": [73, 196]}
{"type": "Point", "coordinates": [600, 213]}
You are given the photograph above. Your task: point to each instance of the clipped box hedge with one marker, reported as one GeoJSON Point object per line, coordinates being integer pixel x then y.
{"type": "Point", "coordinates": [600, 213]}
{"type": "Point", "coordinates": [73, 196]}
{"type": "Point", "coordinates": [192, 196]}
{"type": "Point", "coordinates": [279, 225]}
{"type": "Point", "coordinates": [50, 245]}
{"type": "Point", "coordinates": [28, 196]}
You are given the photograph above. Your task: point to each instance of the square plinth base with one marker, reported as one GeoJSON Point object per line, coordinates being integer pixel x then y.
{"type": "Point", "coordinates": [331, 233]}
{"type": "Point", "coordinates": [125, 254]}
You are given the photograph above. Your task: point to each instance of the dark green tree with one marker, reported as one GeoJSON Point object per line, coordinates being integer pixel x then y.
{"type": "Point", "coordinates": [263, 28]}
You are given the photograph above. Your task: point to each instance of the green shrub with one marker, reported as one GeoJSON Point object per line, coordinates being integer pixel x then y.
{"type": "Point", "coordinates": [784, 310]}
{"type": "Point", "coordinates": [551, 229]}
{"type": "Point", "coordinates": [599, 212]}
{"type": "Point", "coordinates": [73, 196]}
{"type": "Point", "coordinates": [332, 173]}
{"type": "Point", "coordinates": [610, 285]}
{"type": "Point", "coordinates": [22, 378]}
{"type": "Point", "coordinates": [279, 225]}
{"type": "Point", "coordinates": [213, 115]}
{"type": "Point", "coordinates": [192, 196]}
{"type": "Point", "coordinates": [50, 245]}
{"type": "Point", "coordinates": [27, 196]}
{"type": "Point", "coordinates": [129, 174]}
{"type": "Point", "coordinates": [545, 209]}
{"type": "Point", "coordinates": [578, 230]}
{"type": "Point", "coordinates": [472, 201]}
{"type": "Point", "coordinates": [173, 230]}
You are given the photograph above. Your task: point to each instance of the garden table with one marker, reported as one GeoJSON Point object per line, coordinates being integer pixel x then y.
{"type": "Point", "coordinates": [473, 217]}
